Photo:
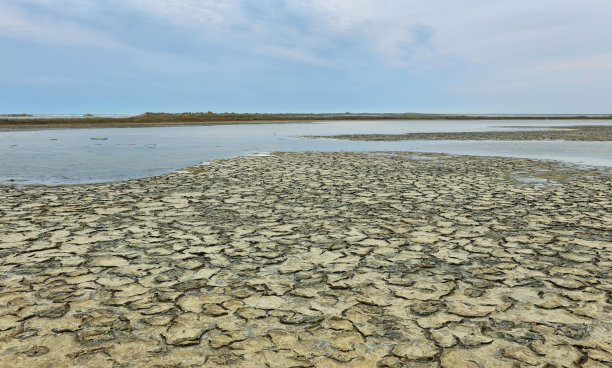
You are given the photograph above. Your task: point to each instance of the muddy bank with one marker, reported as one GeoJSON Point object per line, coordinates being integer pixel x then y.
{"type": "Point", "coordinates": [598, 133]}
{"type": "Point", "coordinates": [164, 119]}
{"type": "Point", "coordinates": [108, 123]}
{"type": "Point", "coordinates": [313, 259]}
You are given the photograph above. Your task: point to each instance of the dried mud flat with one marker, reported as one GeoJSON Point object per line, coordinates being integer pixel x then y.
{"type": "Point", "coordinates": [313, 259]}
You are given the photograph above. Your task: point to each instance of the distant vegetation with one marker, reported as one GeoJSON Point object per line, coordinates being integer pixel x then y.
{"type": "Point", "coordinates": [153, 118]}
{"type": "Point", "coordinates": [15, 115]}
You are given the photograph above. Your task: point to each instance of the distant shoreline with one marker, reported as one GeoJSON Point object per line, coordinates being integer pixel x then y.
{"type": "Point", "coordinates": [10, 122]}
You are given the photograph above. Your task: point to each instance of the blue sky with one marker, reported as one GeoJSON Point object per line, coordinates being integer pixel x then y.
{"type": "Point", "coordinates": [453, 56]}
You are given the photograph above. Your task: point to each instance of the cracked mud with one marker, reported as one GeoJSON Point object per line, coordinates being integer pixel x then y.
{"type": "Point", "coordinates": [313, 260]}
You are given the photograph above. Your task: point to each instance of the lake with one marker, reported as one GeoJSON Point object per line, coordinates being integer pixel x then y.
{"type": "Point", "coordinates": [87, 155]}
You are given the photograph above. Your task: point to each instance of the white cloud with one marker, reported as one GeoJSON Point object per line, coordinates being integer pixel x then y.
{"type": "Point", "coordinates": [506, 43]}
{"type": "Point", "coordinates": [208, 14]}
{"type": "Point", "coordinates": [472, 31]}
{"type": "Point", "coordinates": [16, 23]}
{"type": "Point", "coordinates": [294, 54]}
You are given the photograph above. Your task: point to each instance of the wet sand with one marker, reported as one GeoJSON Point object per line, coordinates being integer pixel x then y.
{"type": "Point", "coordinates": [599, 133]}
{"type": "Point", "coordinates": [313, 260]}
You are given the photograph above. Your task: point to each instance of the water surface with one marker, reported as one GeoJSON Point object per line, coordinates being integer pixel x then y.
{"type": "Point", "coordinates": [85, 155]}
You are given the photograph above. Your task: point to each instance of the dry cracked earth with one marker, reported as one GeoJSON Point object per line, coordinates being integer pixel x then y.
{"type": "Point", "coordinates": [313, 260]}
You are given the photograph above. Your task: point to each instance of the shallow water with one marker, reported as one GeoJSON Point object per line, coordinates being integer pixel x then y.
{"type": "Point", "coordinates": [63, 156]}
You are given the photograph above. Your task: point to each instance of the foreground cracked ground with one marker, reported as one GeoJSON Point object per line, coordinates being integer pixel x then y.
{"type": "Point", "coordinates": [300, 260]}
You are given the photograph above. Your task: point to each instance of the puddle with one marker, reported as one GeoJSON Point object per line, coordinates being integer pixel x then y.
{"type": "Point", "coordinates": [539, 177]}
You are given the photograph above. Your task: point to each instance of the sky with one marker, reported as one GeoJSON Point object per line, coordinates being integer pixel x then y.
{"type": "Point", "coordinates": [453, 56]}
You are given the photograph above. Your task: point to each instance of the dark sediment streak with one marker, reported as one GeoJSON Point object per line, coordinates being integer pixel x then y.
{"type": "Point", "coordinates": [567, 133]}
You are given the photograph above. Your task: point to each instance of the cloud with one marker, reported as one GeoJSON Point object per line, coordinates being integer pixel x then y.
{"type": "Point", "coordinates": [599, 63]}
{"type": "Point", "coordinates": [209, 14]}
{"type": "Point", "coordinates": [397, 33]}
{"type": "Point", "coordinates": [20, 24]}
{"type": "Point", "coordinates": [487, 47]}
{"type": "Point", "coordinates": [293, 54]}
